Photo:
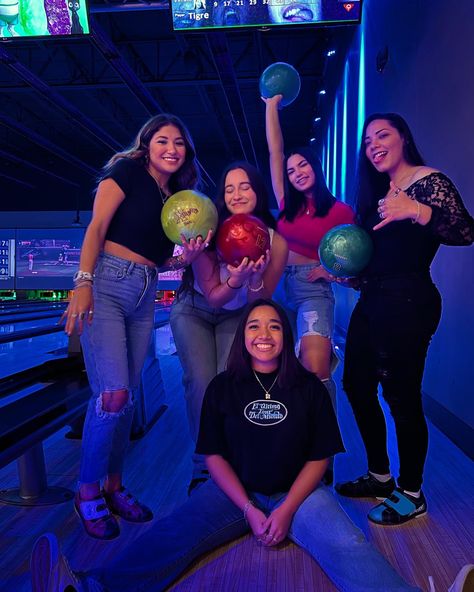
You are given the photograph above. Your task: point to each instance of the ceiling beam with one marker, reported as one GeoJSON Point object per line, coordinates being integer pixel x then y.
{"type": "Point", "coordinates": [219, 49]}
{"type": "Point", "coordinates": [46, 144]}
{"type": "Point", "coordinates": [11, 62]}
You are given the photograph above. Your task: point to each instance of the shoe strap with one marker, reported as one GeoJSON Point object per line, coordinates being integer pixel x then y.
{"type": "Point", "coordinates": [400, 503]}
{"type": "Point", "coordinates": [93, 509]}
{"type": "Point", "coordinates": [126, 496]}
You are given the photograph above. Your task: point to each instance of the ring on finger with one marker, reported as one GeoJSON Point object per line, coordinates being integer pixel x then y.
{"type": "Point", "coordinates": [74, 315]}
{"type": "Point", "coordinates": [82, 315]}
{"type": "Point", "coordinates": [91, 312]}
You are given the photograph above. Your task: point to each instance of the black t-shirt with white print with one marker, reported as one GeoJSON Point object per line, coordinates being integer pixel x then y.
{"type": "Point", "coordinates": [267, 442]}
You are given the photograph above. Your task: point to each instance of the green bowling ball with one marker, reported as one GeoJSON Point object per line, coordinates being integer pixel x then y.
{"type": "Point", "coordinates": [190, 213]}
{"type": "Point", "coordinates": [280, 78]}
{"type": "Point", "coordinates": [345, 250]}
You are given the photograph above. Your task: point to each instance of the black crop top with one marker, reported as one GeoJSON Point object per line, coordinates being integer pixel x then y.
{"type": "Point", "coordinates": [137, 222]}
{"type": "Point", "coordinates": [403, 247]}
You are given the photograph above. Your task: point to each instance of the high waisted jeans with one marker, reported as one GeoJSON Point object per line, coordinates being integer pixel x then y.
{"type": "Point", "coordinates": [387, 341]}
{"type": "Point", "coordinates": [209, 518]}
{"type": "Point", "coordinates": [115, 347]}
{"type": "Point", "coordinates": [203, 336]}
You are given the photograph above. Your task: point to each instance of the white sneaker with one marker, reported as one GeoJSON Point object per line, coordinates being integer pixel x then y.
{"type": "Point", "coordinates": [50, 571]}
{"type": "Point", "coordinates": [464, 581]}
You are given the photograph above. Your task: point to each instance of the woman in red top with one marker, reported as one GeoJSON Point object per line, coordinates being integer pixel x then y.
{"type": "Point", "coordinates": [307, 211]}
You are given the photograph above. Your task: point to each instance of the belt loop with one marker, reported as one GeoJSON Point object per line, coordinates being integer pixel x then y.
{"type": "Point", "coordinates": [130, 267]}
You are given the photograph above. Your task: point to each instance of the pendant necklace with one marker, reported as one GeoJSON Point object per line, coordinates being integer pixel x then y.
{"type": "Point", "coordinates": [161, 191]}
{"type": "Point", "coordinates": [266, 391]}
{"type": "Point", "coordinates": [163, 195]}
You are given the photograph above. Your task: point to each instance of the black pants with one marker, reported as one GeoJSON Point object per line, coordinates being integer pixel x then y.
{"type": "Point", "coordinates": [387, 341]}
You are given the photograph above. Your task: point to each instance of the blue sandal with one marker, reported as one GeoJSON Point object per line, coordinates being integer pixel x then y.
{"type": "Point", "coordinates": [400, 507]}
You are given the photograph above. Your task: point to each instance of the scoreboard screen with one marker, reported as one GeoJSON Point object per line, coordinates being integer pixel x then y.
{"type": "Point", "coordinates": [7, 259]}
{"type": "Point", "coordinates": [47, 258]}
{"type": "Point", "coordinates": [218, 14]}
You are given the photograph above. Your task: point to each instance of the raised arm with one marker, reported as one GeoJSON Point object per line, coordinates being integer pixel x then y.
{"type": "Point", "coordinates": [108, 198]}
{"type": "Point", "coordinates": [275, 145]}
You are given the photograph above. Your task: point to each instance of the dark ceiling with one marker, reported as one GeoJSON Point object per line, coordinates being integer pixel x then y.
{"type": "Point", "coordinates": [67, 105]}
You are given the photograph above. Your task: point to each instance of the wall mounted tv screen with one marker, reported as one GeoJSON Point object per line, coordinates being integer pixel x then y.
{"type": "Point", "coordinates": [47, 258]}
{"type": "Point", "coordinates": [171, 280]}
{"type": "Point", "coordinates": [217, 14]}
{"type": "Point", "coordinates": [7, 259]}
{"type": "Point", "coordinates": [43, 18]}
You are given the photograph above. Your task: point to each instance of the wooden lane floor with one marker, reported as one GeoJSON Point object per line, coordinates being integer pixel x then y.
{"type": "Point", "coordinates": [159, 469]}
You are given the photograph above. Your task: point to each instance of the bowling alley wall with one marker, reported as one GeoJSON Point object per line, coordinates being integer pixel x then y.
{"type": "Point", "coordinates": [415, 58]}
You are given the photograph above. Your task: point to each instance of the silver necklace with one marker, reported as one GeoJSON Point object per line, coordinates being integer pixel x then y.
{"type": "Point", "coordinates": [266, 391]}
{"type": "Point", "coordinates": [161, 191]}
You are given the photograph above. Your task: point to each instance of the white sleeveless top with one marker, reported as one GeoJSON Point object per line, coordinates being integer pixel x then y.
{"type": "Point", "coordinates": [240, 297]}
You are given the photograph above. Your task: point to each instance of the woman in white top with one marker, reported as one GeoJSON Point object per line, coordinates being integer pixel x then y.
{"type": "Point", "coordinates": [206, 312]}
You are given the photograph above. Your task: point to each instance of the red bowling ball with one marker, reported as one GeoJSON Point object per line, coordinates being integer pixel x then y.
{"type": "Point", "coordinates": [241, 236]}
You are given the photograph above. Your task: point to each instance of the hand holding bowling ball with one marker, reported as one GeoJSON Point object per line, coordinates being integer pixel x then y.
{"type": "Point", "coordinates": [345, 250]}
{"type": "Point", "coordinates": [242, 235]}
{"type": "Point", "coordinates": [188, 214]}
{"type": "Point", "coordinates": [280, 79]}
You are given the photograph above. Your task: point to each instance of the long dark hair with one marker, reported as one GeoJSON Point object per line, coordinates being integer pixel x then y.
{"type": "Point", "coordinates": [291, 371]}
{"type": "Point", "coordinates": [257, 183]}
{"type": "Point", "coordinates": [187, 177]}
{"type": "Point", "coordinates": [295, 201]}
{"type": "Point", "coordinates": [261, 210]}
{"type": "Point", "coordinates": [372, 185]}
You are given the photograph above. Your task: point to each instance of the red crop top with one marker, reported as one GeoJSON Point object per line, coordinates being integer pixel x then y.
{"type": "Point", "coordinates": [304, 234]}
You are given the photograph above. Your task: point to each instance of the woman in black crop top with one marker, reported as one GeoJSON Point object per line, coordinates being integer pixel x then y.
{"type": "Point", "coordinates": [409, 209]}
{"type": "Point", "coordinates": [113, 306]}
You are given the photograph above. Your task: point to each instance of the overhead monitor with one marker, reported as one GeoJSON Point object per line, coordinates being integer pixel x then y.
{"type": "Point", "coordinates": [7, 259]}
{"type": "Point", "coordinates": [47, 258]}
{"type": "Point", "coordinates": [21, 19]}
{"type": "Point", "coordinates": [218, 14]}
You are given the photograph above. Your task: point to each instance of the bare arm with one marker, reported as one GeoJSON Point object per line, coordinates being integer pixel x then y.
{"type": "Point", "coordinates": [225, 477]}
{"type": "Point", "coordinates": [108, 198]}
{"type": "Point", "coordinates": [275, 145]}
{"type": "Point", "coordinates": [278, 523]}
{"type": "Point", "coordinates": [272, 272]}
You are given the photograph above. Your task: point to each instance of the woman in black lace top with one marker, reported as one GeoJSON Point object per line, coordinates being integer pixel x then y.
{"type": "Point", "coordinates": [409, 210]}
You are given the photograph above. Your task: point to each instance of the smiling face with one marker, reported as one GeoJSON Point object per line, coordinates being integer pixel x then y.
{"type": "Point", "coordinates": [300, 173]}
{"type": "Point", "coordinates": [264, 338]}
{"type": "Point", "coordinates": [304, 11]}
{"type": "Point", "coordinates": [384, 146]}
{"type": "Point", "coordinates": [239, 196]}
{"type": "Point", "coordinates": [167, 151]}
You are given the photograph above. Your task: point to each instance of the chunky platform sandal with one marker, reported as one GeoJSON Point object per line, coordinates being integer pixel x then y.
{"type": "Point", "coordinates": [122, 503]}
{"type": "Point", "coordinates": [96, 518]}
{"type": "Point", "coordinates": [366, 486]}
{"type": "Point", "coordinates": [398, 509]}
{"type": "Point", "coordinates": [50, 571]}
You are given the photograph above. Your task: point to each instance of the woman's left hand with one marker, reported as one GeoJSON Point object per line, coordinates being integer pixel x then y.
{"type": "Point", "coordinates": [395, 206]}
{"type": "Point", "coordinates": [319, 273]}
{"type": "Point", "coordinates": [276, 526]}
{"type": "Point", "coordinates": [194, 247]}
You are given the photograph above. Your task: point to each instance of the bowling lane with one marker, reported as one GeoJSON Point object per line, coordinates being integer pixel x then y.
{"type": "Point", "coordinates": [26, 353]}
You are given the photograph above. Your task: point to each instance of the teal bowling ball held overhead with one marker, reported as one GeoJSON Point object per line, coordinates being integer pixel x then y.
{"type": "Point", "coordinates": [188, 213]}
{"type": "Point", "coordinates": [280, 79]}
{"type": "Point", "coordinates": [345, 250]}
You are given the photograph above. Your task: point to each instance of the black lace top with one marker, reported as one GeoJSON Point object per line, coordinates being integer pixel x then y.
{"type": "Point", "coordinates": [403, 247]}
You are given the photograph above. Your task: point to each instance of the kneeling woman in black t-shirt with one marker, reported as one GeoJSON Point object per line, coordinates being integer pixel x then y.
{"type": "Point", "coordinates": [267, 430]}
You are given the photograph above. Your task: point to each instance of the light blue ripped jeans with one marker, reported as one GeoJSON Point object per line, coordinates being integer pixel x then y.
{"type": "Point", "coordinates": [209, 519]}
{"type": "Point", "coordinates": [115, 347]}
{"type": "Point", "coordinates": [310, 308]}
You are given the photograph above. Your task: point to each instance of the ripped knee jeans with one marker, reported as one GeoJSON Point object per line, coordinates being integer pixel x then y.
{"type": "Point", "coordinates": [310, 304]}
{"type": "Point", "coordinates": [115, 346]}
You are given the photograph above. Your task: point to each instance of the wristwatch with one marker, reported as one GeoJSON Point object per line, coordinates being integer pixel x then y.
{"type": "Point", "coordinates": [81, 276]}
